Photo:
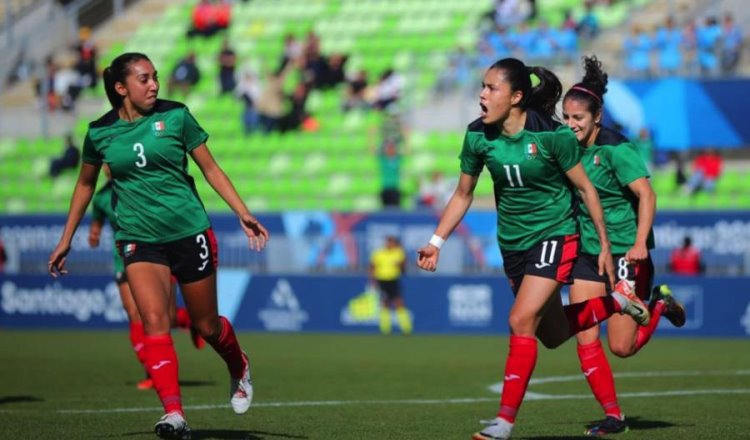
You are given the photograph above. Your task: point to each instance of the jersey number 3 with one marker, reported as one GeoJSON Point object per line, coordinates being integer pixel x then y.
{"type": "Point", "coordinates": [138, 148]}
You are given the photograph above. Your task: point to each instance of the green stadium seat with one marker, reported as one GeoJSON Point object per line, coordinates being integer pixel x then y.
{"type": "Point", "coordinates": [731, 181]}
{"type": "Point", "coordinates": [742, 201]}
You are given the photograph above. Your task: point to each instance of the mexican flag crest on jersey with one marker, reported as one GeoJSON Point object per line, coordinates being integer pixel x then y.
{"type": "Point", "coordinates": [128, 250]}
{"type": "Point", "coordinates": [597, 160]}
{"type": "Point", "coordinates": [531, 151]}
{"type": "Point", "coordinates": [159, 128]}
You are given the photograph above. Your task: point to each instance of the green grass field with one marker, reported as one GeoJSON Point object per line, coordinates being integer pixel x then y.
{"type": "Point", "coordinates": [70, 385]}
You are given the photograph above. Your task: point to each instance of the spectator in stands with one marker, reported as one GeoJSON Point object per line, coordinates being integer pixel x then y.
{"type": "Point", "coordinates": [567, 43]}
{"type": "Point", "coordinates": [588, 25]}
{"type": "Point", "coordinates": [387, 265]}
{"type": "Point", "coordinates": [485, 53]}
{"type": "Point", "coordinates": [334, 72]}
{"type": "Point", "coordinates": [690, 48]}
{"type": "Point", "coordinates": [568, 21]}
{"type": "Point", "coordinates": [706, 171]}
{"type": "Point", "coordinates": [645, 145]}
{"type": "Point", "coordinates": [546, 44]}
{"type": "Point", "coordinates": [68, 160]}
{"type": "Point", "coordinates": [222, 14]}
{"type": "Point", "coordinates": [708, 38]}
{"type": "Point", "coordinates": [203, 20]}
{"type": "Point", "coordinates": [315, 65]}
{"type": "Point", "coordinates": [669, 43]}
{"type": "Point", "coordinates": [731, 45]}
{"type": "Point", "coordinates": [680, 177]}
{"type": "Point", "coordinates": [390, 155]}
{"type": "Point", "coordinates": [227, 66]}
{"type": "Point", "coordinates": [297, 113]}
{"type": "Point", "coordinates": [388, 89]}
{"type": "Point", "coordinates": [248, 91]}
{"type": "Point", "coordinates": [68, 87]}
{"type": "Point", "coordinates": [184, 76]}
{"type": "Point", "coordinates": [355, 91]}
{"type": "Point", "coordinates": [637, 47]}
{"type": "Point", "coordinates": [686, 260]}
{"type": "Point", "coordinates": [87, 58]}
{"type": "Point", "coordinates": [524, 39]}
{"type": "Point", "coordinates": [501, 39]}
{"type": "Point", "coordinates": [455, 76]}
{"type": "Point", "coordinates": [435, 191]}
{"type": "Point", "coordinates": [293, 50]}
{"type": "Point", "coordinates": [270, 104]}
{"type": "Point", "coordinates": [511, 12]}
{"type": "Point", "coordinates": [45, 87]}
{"type": "Point", "coordinates": [162, 233]}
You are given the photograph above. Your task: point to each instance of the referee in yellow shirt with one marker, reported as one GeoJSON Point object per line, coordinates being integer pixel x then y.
{"type": "Point", "coordinates": [386, 266]}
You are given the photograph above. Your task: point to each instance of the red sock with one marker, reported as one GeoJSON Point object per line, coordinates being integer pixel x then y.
{"type": "Point", "coordinates": [584, 315]}
{"type": "Point", "coordinates": [595, 367]}
{"type": "Point", "coordinates": [136, 340]}
{"type": "Point", "coordinates": [645, 332]}
{"type": "Point", "coordinates": [229, 349]}
{"type": "Point", "coordinates": [183, 318]}
{"type": "Point", "coordinates": [161, 360]}
{"type": "Point", "coordinates": [518, 368]}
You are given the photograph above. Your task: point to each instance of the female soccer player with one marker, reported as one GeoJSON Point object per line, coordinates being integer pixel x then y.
{"type": "Point", "coordinates": [101, 210]}
{"type": "Point", "coordinates": [532, 161]}
{"type": "Point", "coordinates": [620, 177]}
{"type": "Point", "coordinates": [163, 227]}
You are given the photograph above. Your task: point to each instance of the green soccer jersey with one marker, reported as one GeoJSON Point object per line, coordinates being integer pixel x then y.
{"type": "Point", "coordinates": [155, 197]}
{"type": "Point", "coordinates": [101, 206]}
{"type": "Point", "coordinates": [612, 163]}
{"type": "Point", "coordinates": [101, 210]}
{"type": "Point", "coordinates": [532, 194]}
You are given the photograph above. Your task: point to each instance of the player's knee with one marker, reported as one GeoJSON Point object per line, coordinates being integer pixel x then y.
{"type": "Point", "coordinates": [622, 349]}
{"type": "Point", "coordinates": [521, 325]}
{"type": "Point", "coordinates": [208, 328]}
{"type": "Point", "coordinates": [155, 323]}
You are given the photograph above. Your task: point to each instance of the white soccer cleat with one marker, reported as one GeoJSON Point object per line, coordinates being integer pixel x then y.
{"type": "Point", "coordinates": [172, 426]}
{"type": "Point", "coordinates": [497, 429]}
{"type": "Point", "coordinates": [241, 390]}
{"type": "Point", "coordinates": [630, 304]}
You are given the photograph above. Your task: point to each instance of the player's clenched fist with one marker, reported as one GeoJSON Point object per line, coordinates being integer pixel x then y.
{"type": "Point", "coordinates": [427, 257]}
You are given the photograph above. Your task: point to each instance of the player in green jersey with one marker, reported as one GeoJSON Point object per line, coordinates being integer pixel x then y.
{"type": "Point", "coordinates": [620, 176]}
{"type": "Point", "coordinates": [101, 212]}
{"type": "Point", "coordinates": [534, 162]}
{"type": "Point", "coordinates": [163, 229]}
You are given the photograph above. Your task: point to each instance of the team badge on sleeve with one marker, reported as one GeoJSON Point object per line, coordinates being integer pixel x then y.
{"type": "Point", "coordinates": [531, 151]}
{"type": "Point", "coordinates": [597, 160]}
{"type": "Point", "coordinates": [159, 128]}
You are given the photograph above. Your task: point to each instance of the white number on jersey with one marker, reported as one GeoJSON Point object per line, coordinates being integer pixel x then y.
{"type": "Point", "coordinates": [547, 258]}
{"type": "Point", "coordinates": [141, 162]}
{"type": "Point", "coordinates": [509, 175]}
{"type": "Point", "coordinates": [201, 240]}
{"type": "Point", "coordinates": [622, 268]}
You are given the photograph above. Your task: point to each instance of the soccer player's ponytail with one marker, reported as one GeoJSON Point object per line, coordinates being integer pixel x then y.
{"type": "Point", "coordinates": [546, 93]}
{"type": "Point", "coordinates": [592, 87]}
{"type": "Point", "coordinates": [117, 72]}
{"type": "Point", "coordinates": [541, 88]}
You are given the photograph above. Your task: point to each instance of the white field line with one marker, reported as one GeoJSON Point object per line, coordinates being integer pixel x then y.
{"type": "Point", "coordinates": [529, 395]}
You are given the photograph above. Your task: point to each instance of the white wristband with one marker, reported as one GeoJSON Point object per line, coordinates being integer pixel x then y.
{"type": "Point", "coordinates": [437, 241]}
